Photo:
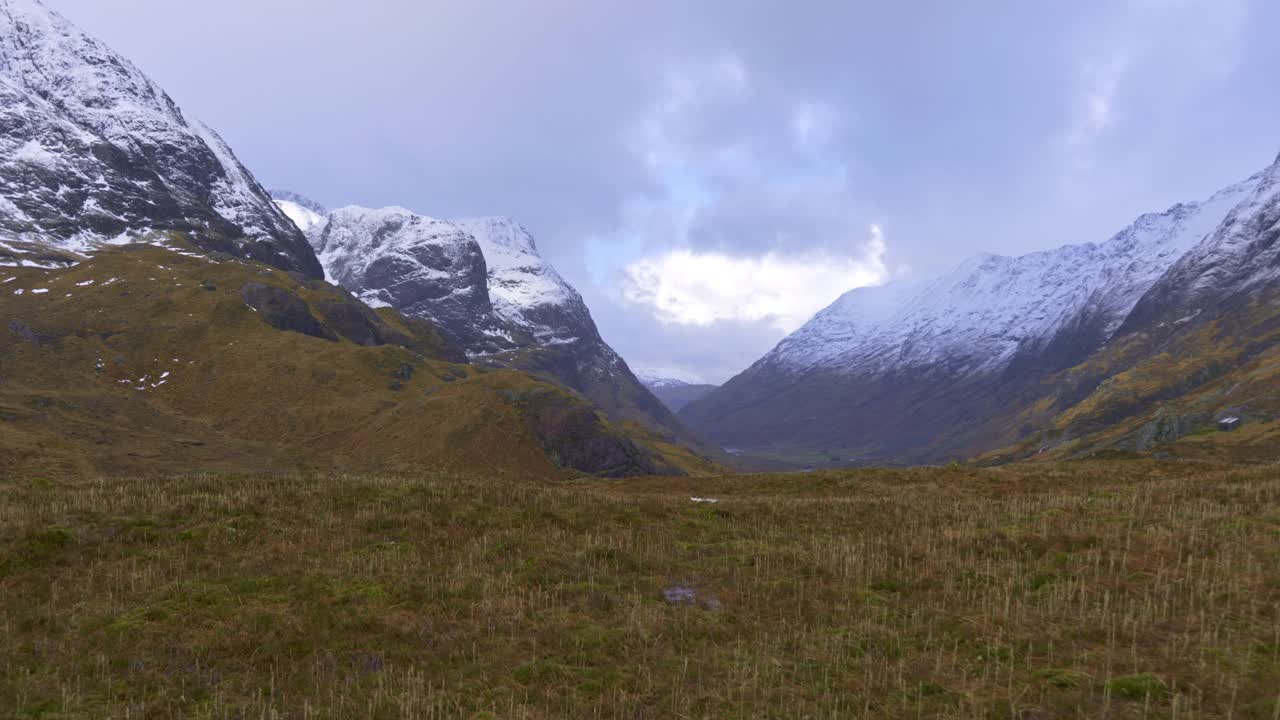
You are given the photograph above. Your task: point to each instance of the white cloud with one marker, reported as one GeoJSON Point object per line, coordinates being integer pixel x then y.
{"type": "Point", "coordinates": [1100, 84]}
{"type": "Point", "coordinates": [700, 288]}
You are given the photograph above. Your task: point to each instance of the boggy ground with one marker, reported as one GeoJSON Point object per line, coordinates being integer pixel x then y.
{"type": "Point", "coordinates": [1123, 589]}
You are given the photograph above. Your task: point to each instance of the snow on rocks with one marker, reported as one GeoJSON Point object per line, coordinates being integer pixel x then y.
{"type": "Point", "coordinates": [84, 120]}
{"type": "Point", "coordinates": [520, 281]}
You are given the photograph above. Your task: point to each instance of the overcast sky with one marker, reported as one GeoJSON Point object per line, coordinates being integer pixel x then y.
{"type": "Point", "coordinates": [709, 174]}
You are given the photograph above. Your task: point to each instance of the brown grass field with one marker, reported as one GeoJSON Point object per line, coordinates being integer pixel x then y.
{"type": "Point", "coordinates": [1122, 590]}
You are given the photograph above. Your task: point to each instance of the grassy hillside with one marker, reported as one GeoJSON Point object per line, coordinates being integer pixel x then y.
{"type": "Point", "coordinates": [1160, 392]}
{"type": "Point", "coordinates": [1082, 590]}
{"type": "Point", "coordinates": [149, 359]}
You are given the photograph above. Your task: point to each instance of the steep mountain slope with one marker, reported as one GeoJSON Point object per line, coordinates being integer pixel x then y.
{"type": "Point", "coordinates": [673, 392]}
{"type": "Point", "coordinates": [484, 284]}
{"type": "Point", "coordinates": [93, 152]}
{"type": "Point", "coordinates": [1202, 344]}
{"type": "Point", "coordinates": [930, 370]}
{"type": "Point", "coordinates": [145, 359]}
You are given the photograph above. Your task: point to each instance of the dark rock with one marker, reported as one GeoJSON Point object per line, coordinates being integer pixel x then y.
{"type": "Point", "coordinates": [24, 331]}
{"type": "Point", "coordinates": [355, 321]}
{"type": "Point", "coordinates": [283, 310]}
{"type": "Point", "coordinates": [686, 596]}
{"type": "Point", "coordinates": [404, 372]}
{"type": "Point", "coordinates": [574, 436]}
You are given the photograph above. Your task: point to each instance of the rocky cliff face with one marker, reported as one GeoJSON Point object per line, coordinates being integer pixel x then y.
{"type": "Point", "coordinates": [93, 152]}
{"type": "Point", "coordinates": [930, 370]}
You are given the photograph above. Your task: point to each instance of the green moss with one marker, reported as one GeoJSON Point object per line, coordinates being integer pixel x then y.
{"type": "Point", "coordinates": [1138, 687]}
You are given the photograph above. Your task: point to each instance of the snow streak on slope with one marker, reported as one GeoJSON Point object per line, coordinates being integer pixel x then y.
{"type": "Point", "coordinates": [985, 312]}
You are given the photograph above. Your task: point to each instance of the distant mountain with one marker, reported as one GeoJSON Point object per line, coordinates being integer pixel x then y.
{"type": "Point", "coordinates": [929, 370]}
{"type": "Point", "coordinates": [675, 393]}
{"type": "Point", "coordinates": [483, 282]}
{"type": "Point", "coordinates": [303, 211]}
{"type": "Point", "coordinates": [92, 152]}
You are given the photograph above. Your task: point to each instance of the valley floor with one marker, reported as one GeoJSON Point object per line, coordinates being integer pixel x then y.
{"type": "Point", "coordinates": [1124, 589]}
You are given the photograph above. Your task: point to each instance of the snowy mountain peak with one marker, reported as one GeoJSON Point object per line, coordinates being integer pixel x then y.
{"type": "Point", "coordinates": [489, 267]}
{"type": "Point", "coordinates": [89, 136]}
{"type": "Point", "coordinates": [522, 285]}
{"type": "Point", "coordinates": [299, 199]}
{"type": "Point", "coordinates": [666, 378]}
{"type": "Point", "coordinates": [501, 232]}
{"type": "Point", "coordinates": [42, 51]}
{"type": "Point", "coordinates": [302, 210]}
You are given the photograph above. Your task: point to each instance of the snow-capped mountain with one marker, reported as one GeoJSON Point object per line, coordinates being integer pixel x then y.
{"type": "Point", "coordinates": [931, 369]}
{"type": "Point", "coordinates": [663, 377]}
{"type": "Point", "coordinates": [991, 309]}
{"type": "Point", "coordinates": [424, 267]}
{"type": "Point", "coordinates": [92, 152]}
{"type": "Point", "coordinates": [483, 283]}
{"type": "Point", "coordinates": [674, 388]}
{"type": "Point", "coordinates": [303, 211]}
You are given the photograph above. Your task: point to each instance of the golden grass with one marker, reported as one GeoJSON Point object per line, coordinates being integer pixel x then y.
{"type": "Point", "coordinates": [1082, 590]}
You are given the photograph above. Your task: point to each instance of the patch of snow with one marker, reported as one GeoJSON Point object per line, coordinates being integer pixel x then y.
{"type": "Point", "coordinates": [33, 153]}
{"type": "Point", "coordinates": [1187, 318]}
{"type": "Point", "coordinates": [304, 218]}
{"type": "Point", "coordinates": [39, 291]}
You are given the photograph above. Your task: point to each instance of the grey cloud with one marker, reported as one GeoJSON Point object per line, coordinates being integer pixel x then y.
{"type": "Point", "coordinates": [951, 119]}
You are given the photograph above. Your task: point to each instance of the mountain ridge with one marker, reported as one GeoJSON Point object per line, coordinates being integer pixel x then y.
{"type": "Point", "coordinates": [929, 370]}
